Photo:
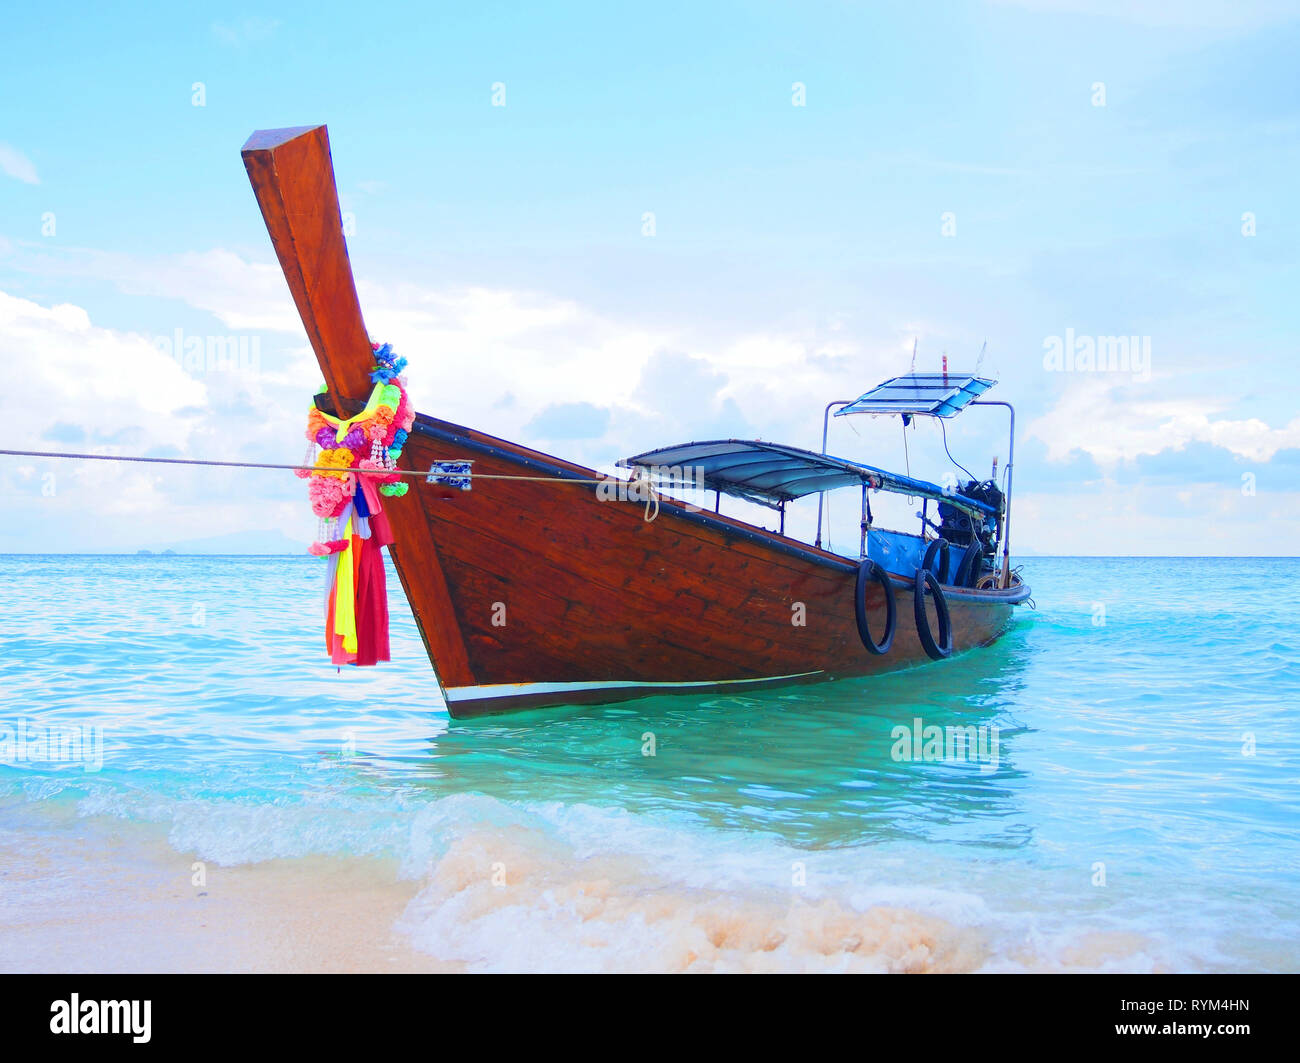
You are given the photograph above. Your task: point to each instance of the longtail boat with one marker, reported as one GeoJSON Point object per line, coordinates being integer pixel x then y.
{"type": "Point", "coordinates": [545, 583]}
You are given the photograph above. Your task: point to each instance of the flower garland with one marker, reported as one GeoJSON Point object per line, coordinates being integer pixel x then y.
{"type": "Point", "coordinates": [373, 439]}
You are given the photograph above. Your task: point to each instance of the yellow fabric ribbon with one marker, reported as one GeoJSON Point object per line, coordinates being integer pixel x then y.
{"type": "Point", "coordinates": [341, 428]}
{"type": "Point", "coordinates": [345, 613]}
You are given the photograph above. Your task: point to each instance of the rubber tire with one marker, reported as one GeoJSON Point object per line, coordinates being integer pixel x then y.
{"type": "Point", "coordinates": [966, 574]}
{"type": "Point", "coordinates": [943, 647]}
{"type": "Point", "coordinates": [868, 571]}
{"type": "Point", "coordinates": [939, 546]}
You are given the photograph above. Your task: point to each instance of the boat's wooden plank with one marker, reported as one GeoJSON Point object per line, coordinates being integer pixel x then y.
{"type": "Point", "coordinates": [292, 176]}
{"type": "Point", "coordinates": [591, 590]}
{"type": "Point", "coordinates": [419, 567]}
{"type": "Point", "coordinates": [592, 634]}
{"type": "Point", "coordinates": [528, 454]}
{"type": "Point", "coordinates": [614, 549]}
{"type": "Point", "coordinates": [591, 587]}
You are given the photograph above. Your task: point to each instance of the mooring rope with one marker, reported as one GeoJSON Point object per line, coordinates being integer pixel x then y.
{"type": "Point", "coordinates": [652, 499]}
{"type": "Point", "coordinates": [266, 465]}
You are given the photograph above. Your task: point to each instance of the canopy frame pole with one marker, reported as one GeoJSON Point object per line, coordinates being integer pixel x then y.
{"type": "Point", "coordinates": [826, 427]}
{"type": "Point", "coordinates": [1005, 579]}
{"type": "Point", "coordinates": [865, 522]}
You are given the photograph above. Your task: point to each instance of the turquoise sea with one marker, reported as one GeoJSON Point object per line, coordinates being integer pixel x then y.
{"type": "Point", "coordinates": [1142, 813]}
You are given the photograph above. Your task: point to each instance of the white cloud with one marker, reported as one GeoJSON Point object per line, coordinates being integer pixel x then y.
{"type": "Point", "coordinates": [1117, 421]}
{"type": "Point", "coordinates": [70, 385]}
{"type": "Point", "coordinates": [17, 165]}
{"type": "Point", "coordinates": [469, 348]}
{"type": "Point", "coordinates": [242, 295]}
{"type": "Point", "coordinates": [466, 346]}
{"type": "Point", "coordinates": [1143, 519]}
{"type": "Point", "coordinates": [59, 368]}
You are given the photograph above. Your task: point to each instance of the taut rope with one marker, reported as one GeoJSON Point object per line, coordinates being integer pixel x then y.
{"type": "Point", "coordinates": [651, 502]}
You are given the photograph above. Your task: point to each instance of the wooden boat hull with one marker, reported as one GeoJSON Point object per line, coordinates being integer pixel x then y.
{"type": "Point", "coordinates": [538, 592]}
{"type": "Point", "coordinates": [533, 594]}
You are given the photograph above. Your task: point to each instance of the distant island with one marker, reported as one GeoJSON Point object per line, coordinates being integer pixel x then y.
{"type": "Point", "coordinates": [262, 543]}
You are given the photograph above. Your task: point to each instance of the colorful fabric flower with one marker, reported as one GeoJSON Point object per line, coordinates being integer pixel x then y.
{"type": "Point", "coordinates": [329, 496]}
{"type": "Point", "coordinates": [339, 459]}
{"type": "Point", "coordinates": [372, 443]}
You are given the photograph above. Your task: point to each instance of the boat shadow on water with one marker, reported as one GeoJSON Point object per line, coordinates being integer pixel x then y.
{"type": "Point", "coordinates": [926, 753]}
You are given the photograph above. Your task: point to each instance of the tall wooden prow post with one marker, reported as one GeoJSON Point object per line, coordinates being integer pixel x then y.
{"type": "Point", "coordinates": [293, 178]}
{"type": "Point", "coordinates": [292, 175]}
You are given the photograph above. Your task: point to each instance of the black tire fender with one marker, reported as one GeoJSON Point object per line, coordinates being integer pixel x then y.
{"type": "Point", "coordinates": [940, 547]}
{"type": "Point", "coordinates": [936, 650]}
{"type": "Point", "coordinates": [966, 574]}
{"type": "Point", "coordinates": [868, 571]}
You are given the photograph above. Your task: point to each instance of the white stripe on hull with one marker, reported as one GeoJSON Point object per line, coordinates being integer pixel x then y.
{"type": "Point", "coordinates": [516, 690]}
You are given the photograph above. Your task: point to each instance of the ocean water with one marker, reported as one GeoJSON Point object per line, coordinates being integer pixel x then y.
{"type": "Point", "coordinates": [1138, 811]}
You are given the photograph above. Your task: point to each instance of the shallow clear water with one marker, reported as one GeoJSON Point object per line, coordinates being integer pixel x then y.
{"type": "Point", "coordinates": [1145, 722]}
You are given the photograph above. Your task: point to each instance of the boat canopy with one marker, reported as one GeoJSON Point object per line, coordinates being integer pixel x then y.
{"type": "Point", "coordinates": [927, 394]}
{"type": "Point", "coordinates": [772, 474]}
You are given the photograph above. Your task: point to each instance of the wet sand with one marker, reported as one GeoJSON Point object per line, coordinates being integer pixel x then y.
{"type": "Point", "coordinates": [129, 905]}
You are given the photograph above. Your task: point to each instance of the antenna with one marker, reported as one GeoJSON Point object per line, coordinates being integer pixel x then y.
{"type": "Point", "coordinates": [913, 369]}
{"type": "Point", "coordinates": [980, 360]}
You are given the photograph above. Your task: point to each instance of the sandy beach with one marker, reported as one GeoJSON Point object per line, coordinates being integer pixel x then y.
{"type": "Point", "coordinates": [103, 898]}
{"type": "Point", "coordinates": [130, 907]}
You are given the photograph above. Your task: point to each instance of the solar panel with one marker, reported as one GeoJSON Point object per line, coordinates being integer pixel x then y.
{"type": "Point", "coordinates": [925, 394]}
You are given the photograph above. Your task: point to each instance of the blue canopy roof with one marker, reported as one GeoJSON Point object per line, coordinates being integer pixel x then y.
{"type": "Point", "coordinates": [773, 474]}
{"type": "Point", "coordinates": [930, 394]}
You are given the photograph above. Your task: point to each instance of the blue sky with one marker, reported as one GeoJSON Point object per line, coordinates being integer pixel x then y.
{"type": "Point", "coordinates": [960, 173]}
